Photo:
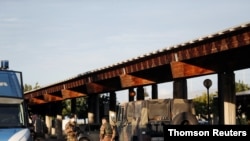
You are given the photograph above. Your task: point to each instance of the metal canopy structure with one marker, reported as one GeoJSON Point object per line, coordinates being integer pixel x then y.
{"type": "Point", "coordinates": [224, 51]}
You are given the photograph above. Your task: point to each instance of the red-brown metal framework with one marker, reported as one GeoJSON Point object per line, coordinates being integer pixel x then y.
{"type": "Point", "coordinates": [223, 51]}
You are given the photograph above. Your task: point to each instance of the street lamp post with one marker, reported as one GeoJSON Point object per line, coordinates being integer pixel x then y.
{"type": "Point", "coordinates": [208, 83]}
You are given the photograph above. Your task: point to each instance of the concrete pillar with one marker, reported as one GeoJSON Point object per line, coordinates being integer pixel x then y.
{"type": "Point", "coordinates": [97, 109]}
{"type": "Point", "coordinates": [140, 93]}
{"type": "Point", "coordinates": [58, 127]}
{"type": "Point", "coordinates": [154, 91]}
{"type": "Point", "coordinates": [50, 111]}
{"type": "Point", "coordinates": [112, 108]}
{"type": "Point", "coordinates": [112, 102]}
{"type": "Point", "coordinates": [180, 88]}
{"type": "Point", "coordinates": [48, 122]}
{"type": "Point", "coordinates": [53, 119]}
{"type": "Point", "coordinates": [91, 109]}
{"type": "Point", "coordinates": [58, 120]}
{"type": "Point", "coordinates": [227, 98]}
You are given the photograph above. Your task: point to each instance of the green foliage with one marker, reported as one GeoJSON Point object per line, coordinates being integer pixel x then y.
{"type": "Point", "coordinates": [36, 86]}
{"type": "Point", "coordinates": [81, 107]}
{"type": "Point", "coordinates": [200, 102]}
{"type": "Point", "coordinates": [66, 107]}
{"type": "Point", "coordinates": [240, 86]}
{"type": "Point", "coordinates": [28, 87]}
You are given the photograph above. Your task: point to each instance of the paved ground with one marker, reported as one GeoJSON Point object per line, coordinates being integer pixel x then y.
{"type": "Point", "coordinates": [50, 139]}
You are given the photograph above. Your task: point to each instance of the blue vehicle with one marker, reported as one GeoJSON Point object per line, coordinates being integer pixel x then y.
{"type": "Point", "coordinates": [14, 123]}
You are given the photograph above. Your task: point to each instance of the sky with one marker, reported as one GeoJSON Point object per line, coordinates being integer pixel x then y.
{"type": "Point", "coordinates": [55, 40]}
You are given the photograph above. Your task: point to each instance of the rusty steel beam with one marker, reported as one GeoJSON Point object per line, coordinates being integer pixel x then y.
{"type": "Point", "coordinates": [95, 88]}
{"type": "Point", "coordinates": [66, 94]}
{"type": "Point", "coordinates": [74, 84]}
{"type": "Point", "coordinates": [32, 94]}
{"type": "Point", "coordinates": [36, 101]}
{"type": "Point", "coordinates": [184, 70]}
{"type": "Point", "coordinates": [50, 98]}
{"type": "Point", "coordinates": [214, 46]}
{"type": "Point", "coordinates": [133, 81]}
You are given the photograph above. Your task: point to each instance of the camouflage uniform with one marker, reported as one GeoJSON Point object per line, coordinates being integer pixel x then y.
{"type": "Point", "coordinates": [39, 127]}
{"type": "Point", "coordinates": [69, 131]}
{"type": "Point", "coordinates": [107, 132]}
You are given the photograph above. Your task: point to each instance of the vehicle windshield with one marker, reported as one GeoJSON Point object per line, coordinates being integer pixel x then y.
{"type": "Point", "coordinates": [10, 85]}
{"type": "Point", "coordinates": [11, 115]}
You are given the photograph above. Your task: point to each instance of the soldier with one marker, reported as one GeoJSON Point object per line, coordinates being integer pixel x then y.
{"type": "Point", "coordinates": [40, 127]}
{"type": "Point", "coordinates": [107, 131]}
{"type": "Point", "coordinates": [70, 129]}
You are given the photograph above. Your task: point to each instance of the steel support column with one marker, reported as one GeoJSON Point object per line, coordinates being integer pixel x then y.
{"type": "Point", "coordinates": [227, 98]}
{"type": "Point", "coordinates": [154, 91]}
{"type": "Point", "coordinates": [180, 88]}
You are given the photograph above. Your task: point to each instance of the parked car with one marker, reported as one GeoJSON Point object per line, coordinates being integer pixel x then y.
{"type": "Point", "coordinates": [202, 121]}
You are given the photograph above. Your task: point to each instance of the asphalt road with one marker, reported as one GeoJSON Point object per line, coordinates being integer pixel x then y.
{"type": "Point", "coordinates": [50, 139]}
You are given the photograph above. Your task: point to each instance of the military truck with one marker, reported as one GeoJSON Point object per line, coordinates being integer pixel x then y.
{"type": "Point", "coordinates": [144, 120]}
{"type": "Point", "coordinates": [14, 125]}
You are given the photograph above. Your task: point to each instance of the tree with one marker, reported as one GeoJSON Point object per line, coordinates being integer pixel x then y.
{"type": "Point", "coordinates": [28, 87]}
{"type": "Point", "coordinates": [81, 107]}
{"type": "Point", "coordinates": [66, 107]}
{"type": "Point", "coordinates": [36, 86]}
{"type": "Point", "coordinates": [240, 86]}
{"type": "Point", "coordinates": [200, 102]}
